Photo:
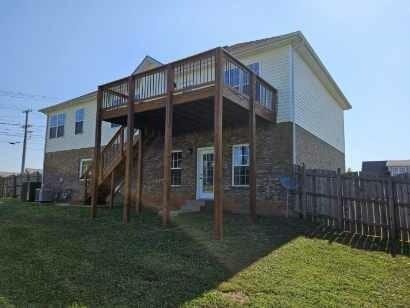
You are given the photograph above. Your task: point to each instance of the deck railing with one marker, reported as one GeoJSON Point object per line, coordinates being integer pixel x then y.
{"type": "Point", "coordinates": [236, 75]}
{"type": "Point", "coordinates": [113, 151]}
{"type": "Point", "coordinates": [194, 72]}
{"type": "Point", "coordinates": [265, 95]}
{"type": "Point", "coordinates": [189, 74]}
{"type": "Point", "coordinates": [151, 84]}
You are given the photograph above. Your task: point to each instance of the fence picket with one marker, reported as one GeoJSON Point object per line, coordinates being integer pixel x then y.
{"type": "Point", "coordinates": [360, 204]}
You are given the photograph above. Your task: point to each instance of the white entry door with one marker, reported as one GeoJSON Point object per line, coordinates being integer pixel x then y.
{"type": "Point", "coordinates": [205, 173]}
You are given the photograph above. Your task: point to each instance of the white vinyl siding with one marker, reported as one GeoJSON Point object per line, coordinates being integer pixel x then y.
{"type": "Point", "coordinates": [274, 68]}
{"type": "Point", "coordinates": [315, 108]}
{"type": "Point", "coordinates": [72, 141]}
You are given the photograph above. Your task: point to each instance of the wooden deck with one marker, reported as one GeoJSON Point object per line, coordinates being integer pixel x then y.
{"type": "Point", "coordinates": [194, 80]}
{"type": "Point", "coordinates": [208, 89]}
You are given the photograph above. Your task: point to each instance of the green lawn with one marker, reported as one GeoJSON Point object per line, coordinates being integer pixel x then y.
{"type": "Point", "coordinates": [57, 256]}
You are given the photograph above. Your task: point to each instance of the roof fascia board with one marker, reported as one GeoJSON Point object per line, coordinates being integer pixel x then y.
{"type": "Point", "coordinates": [81, 99]}
{"type": "Point", "coordinates": [320, 70]}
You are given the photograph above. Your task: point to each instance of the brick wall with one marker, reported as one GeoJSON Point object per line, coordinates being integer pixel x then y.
{"type": "Point", "coordinates": [273, 152]}
{"type": "Point", "coordinates": [315, 153]}
{"type": "Point", "coordinates": [62, 171]}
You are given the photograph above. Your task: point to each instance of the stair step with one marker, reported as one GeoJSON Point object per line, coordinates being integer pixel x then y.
{"type": "Point", "coordinates": [190, 206]}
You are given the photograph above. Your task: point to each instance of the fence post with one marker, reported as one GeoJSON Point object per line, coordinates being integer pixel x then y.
{"type": "Point", "coordinates": [14, 186]}
{"type": "Point", "coordinates": [392, 215]}
{"type": "Point", "coordinates": [85, 188]}
{"type": "Point", "coordinates": [314, 197]}
{"type": "Point", "coordinates": [303, 201]}
{"type": "Point", "coordinates": [339, 201]}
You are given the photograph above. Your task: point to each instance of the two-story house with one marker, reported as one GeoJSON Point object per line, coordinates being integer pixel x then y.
{"type": "Point", "coordinates": [211, 126]}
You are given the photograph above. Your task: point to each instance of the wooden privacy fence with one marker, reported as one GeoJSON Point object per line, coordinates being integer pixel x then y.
{"type": "Point", "coordinates": [357, 203]}
{"type": "Point", "coordinates": [12, 185]}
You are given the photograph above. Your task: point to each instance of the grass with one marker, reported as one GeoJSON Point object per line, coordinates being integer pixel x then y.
{"type": "Point", "coordinates": [57, 256]}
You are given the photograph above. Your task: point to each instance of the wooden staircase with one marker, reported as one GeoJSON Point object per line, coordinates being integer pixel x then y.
{"type": "Point", "coordinates": [112, 168]}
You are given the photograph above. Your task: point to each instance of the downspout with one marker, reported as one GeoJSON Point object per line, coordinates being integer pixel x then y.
{"type": "Point", "coordinates": [44, 153]}
{"type": "Point", "coordinates": [292, 102]}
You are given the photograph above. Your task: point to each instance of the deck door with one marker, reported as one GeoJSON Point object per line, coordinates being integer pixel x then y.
{"type": "Point", "coordinates": [205, 173]}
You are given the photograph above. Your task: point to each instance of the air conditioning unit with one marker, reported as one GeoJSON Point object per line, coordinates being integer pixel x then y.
{"type": "Point", "coordinates": [44, 195]}
{"type": "Point", "coordinates": [29, 191]}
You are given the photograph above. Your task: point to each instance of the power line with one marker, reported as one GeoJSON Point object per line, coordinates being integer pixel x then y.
{"type": "Point", "coordinates": [9, 124]}
{"type": "Point", "coordinates": [25, 95]}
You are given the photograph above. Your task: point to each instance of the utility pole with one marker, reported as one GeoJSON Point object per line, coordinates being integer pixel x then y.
{"type": "Point", "coordinates": [23, 159]}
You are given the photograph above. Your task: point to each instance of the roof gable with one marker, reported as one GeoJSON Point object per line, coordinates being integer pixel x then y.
{"type": "Point", "coordinates": [302, 46]}
{"type": "Point", "coordinates": [146, 64]}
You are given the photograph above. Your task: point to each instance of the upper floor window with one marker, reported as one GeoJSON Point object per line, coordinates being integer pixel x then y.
{"type": "Point", "coordinates": [254, 67]}
{"type": "Point", "coordinates": [240, 165]}
{"type": "Point", "coordinates": [237, 79]}
{"type": "Point", "coordinates": [57, 125]}
{"type": "Point", "coordinates": [79, 121]}
{"type": "Point", "coordinates": [176, 168]}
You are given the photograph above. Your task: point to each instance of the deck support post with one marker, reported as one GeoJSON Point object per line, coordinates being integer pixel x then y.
{"type": "Point", "coordinates": [129, 148]}
{"type": "Point", "coordinates": [112, 189]}
{"type": "Point", "coordinates": [97, 155]}
{"type": "Point", "coordinates": [218, 146]}
{"type": "Point", "coordinates": [252, 149]}
{"type": "Point", "coordinates": [339, 200]}
{"type": "Point", "coordinates": [167, 147]}
{"type": "Point", "coordinates": [138, 204]}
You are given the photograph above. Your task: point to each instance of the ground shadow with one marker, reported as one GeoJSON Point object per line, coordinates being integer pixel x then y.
{"type": "Point", "coordinates": [57, 255]}
{"type": "Point", "coordinates": [358, 241]}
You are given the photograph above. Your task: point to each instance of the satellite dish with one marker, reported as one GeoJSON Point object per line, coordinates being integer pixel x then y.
{"type": "Point", "coordinates": [288, 182]}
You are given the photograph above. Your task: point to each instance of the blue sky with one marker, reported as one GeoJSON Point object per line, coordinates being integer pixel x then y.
{"type": "Point", "coordinates": [56, 50]}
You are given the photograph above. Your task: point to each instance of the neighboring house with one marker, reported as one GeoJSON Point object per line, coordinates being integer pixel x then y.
{"type": "Point", "coordinates": [4, 174]}
{"type": "Point", "coordinates": [398, 167]}
{"type": "Point", "coordinates": [299, 119]}
{"type": "Point", "coordinates": [375, 168]}
{"type": "Point", "coordinates": [386, 167]}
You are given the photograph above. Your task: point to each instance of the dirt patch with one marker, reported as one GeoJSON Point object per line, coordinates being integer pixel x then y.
{"type": "Point", "coordinates": [237, 297]}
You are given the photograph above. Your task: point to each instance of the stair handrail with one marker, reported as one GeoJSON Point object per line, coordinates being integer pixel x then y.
{"type": "Point", "coordinates": [109, 149]}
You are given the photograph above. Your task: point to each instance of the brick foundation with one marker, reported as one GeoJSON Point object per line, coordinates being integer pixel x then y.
{"type": "Point", "coordinates": [62, 171]}
{"type": "Point", "coordinates": [273, 158]}
{"type": "Point", "coordinates": [273, 152]}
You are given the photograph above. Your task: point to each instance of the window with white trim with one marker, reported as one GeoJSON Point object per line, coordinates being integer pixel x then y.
{"type": "Point", "coordinates": [176, 168]}
{"type": "Point", "coordinates": [240, 165]}
{"type": "Point", "coordinates": [56, 124]}
{"type": "Point", "coordinates": [85, 163]}
{"type": "Point", "coordinates": [79, 121]}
